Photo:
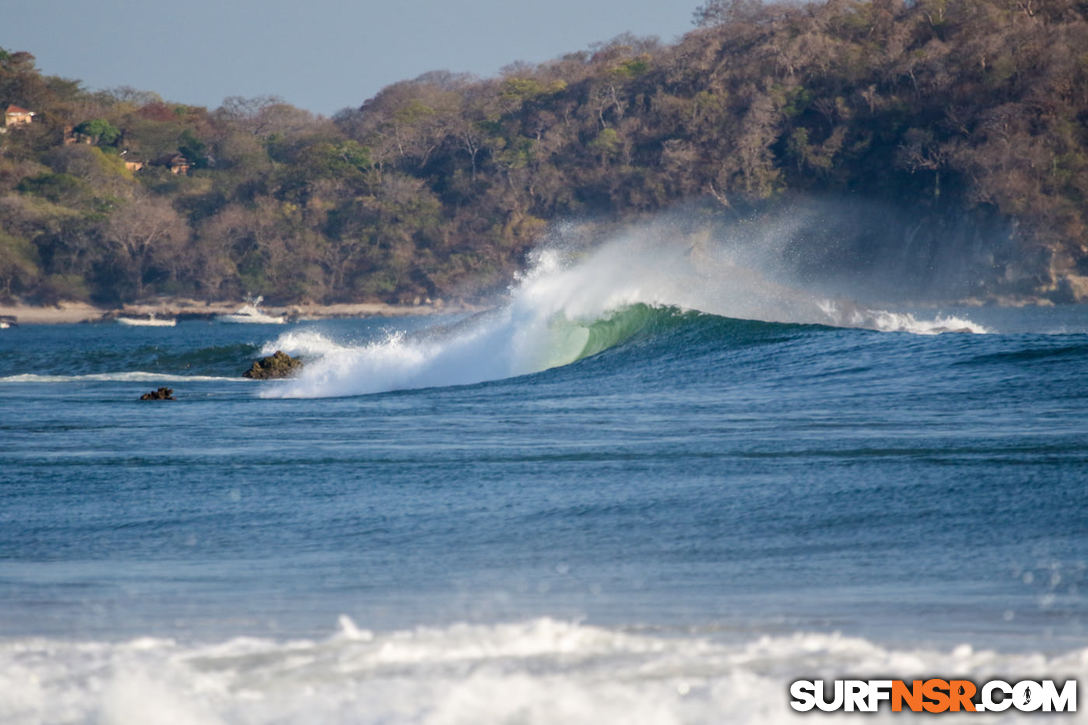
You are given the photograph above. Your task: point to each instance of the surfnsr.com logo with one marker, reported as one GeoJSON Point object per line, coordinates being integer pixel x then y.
{"type": "Point", "coordinates": [933, 695]}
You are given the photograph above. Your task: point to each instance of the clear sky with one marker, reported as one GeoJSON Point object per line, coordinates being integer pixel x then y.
{"type": "Point", "coordinates": [322, 55]}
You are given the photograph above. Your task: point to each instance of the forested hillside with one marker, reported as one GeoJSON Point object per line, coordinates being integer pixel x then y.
{"type": "Point", "coordinates": [438, 186]}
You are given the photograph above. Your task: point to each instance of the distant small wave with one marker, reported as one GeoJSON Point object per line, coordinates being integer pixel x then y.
{"type": "Point", "coordinates": [136, 376]}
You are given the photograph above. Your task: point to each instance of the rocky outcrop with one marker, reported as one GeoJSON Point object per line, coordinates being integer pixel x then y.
{"type": "Point", "coordinates": [277, 365]}
{"type": "Point", "coordinates": [160, 394]}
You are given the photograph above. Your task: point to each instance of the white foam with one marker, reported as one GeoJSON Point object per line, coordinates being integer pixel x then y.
{"type": "Point", "coordinates": [537, 671]}
{"type": "Point", "coordinates": [849, 315]}
{"type": "Point", "coordinates": [303, 342]}
{"type": "Point", "coordinates": [533, 330]}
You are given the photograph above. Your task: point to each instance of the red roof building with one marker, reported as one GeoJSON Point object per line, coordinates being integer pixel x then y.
{"type": "Point", "coordinates": [17, 116]}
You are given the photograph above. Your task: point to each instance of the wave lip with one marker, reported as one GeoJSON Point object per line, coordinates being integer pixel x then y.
{"type": "Point", "coordinates": [535, 671]}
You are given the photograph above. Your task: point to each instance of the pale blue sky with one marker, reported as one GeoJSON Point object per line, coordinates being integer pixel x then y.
{"type": "Point", "coordinates": [322, 55]}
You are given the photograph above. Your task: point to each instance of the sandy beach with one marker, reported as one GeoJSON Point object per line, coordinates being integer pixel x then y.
{"type": "Point", "coordinates": [76, 312]}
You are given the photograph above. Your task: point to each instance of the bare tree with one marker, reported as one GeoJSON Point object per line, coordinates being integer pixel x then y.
{"type": "Point", "coordinates": [147, 230]}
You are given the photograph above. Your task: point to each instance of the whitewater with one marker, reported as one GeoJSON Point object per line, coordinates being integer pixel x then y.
{"type": "Point", "coordinates": [537, 671]}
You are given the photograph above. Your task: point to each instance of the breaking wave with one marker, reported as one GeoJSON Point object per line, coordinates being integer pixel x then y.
{"type": "Point", "coordinates": [571, 306]}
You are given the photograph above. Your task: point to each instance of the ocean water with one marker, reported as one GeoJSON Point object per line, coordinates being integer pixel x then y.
{"type": "Point", "coordinates": [639, 490]}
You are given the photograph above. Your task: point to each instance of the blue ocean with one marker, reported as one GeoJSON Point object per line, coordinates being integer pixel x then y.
{"type": "Point", "coordinates": [640, 489]}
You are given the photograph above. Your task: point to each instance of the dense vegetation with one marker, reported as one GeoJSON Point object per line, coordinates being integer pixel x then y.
{"type": "Point", "coordinates": [438, 186]}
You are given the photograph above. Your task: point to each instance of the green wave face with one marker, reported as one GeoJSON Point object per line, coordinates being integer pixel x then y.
{"type": "Point", "coordinates": [573, 340]}
{"type": "Point", "coordinates": [629, 323]}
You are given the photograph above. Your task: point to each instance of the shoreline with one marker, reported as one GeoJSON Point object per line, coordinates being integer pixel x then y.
{"type": "Point", "coordinates": [188, 309]}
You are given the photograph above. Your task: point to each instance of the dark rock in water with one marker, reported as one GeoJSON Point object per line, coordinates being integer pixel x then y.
{"type": "Point", "coordinates": [278, 365]}
{"type": "Point", "coordinates": [160, 394]}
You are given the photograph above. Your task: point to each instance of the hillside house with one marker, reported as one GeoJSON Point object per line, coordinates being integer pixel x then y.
{"type": "Point", "coordinates": [131, 163]}
{"type": "Point", "coordinates": [177, 163]}
{"type": "Point", "coordinates": [17, 116]}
